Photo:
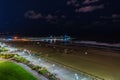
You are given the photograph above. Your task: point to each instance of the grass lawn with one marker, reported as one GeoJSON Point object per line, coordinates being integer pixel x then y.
{"type": "Point", "coordinates": [11, 71]}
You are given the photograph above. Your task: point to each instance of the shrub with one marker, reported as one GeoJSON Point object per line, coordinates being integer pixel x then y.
{"type": "Point", "coordinates": [36, 67]}
{"type": "Point", "coordinates": [30, 65]}
{"type": "Point", "coordinates": [6, 56]}
{"type": "Point", "coordinates": [43, 70]}
{"type": "Point", "coordinates": [52, 77]}
{"type": "Point", "coordinates": [2, 49]}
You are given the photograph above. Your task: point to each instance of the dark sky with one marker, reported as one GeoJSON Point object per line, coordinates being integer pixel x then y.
{"type": "Point", "coordinates": [81, 18]}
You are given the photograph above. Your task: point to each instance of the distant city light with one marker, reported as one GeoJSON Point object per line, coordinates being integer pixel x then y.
{"type": "Point", "coordinates": [15, 37]}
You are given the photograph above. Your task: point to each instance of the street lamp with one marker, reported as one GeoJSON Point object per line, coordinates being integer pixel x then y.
{"type": "Point", "coordinates": [86, 53]}
{"type": "Point", "coordinates": [29, 54]}
{"type": "Point", "coordinates": [76, 76]}
{"type": "Point", "coordinates": [53, 66]}
{"type": "Point", "coordinates": [39, 59]}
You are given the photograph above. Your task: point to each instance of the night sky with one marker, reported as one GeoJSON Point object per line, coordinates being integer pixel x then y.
{"type": "Point", "coordinates": [85, 19]}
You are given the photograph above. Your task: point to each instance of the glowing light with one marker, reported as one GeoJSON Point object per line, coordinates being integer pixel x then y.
{"type": "Point", "coordinates": [15, 37]}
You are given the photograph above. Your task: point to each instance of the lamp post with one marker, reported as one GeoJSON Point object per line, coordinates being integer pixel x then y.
{"type": "Point", "coordinates": [86, 53]}
{"type": "Point", "coordinates": [53, 66]}
{"type": "Point", "coordinates": [39, 59]}
{"type": "Point", "coordinates": [76, 76]}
